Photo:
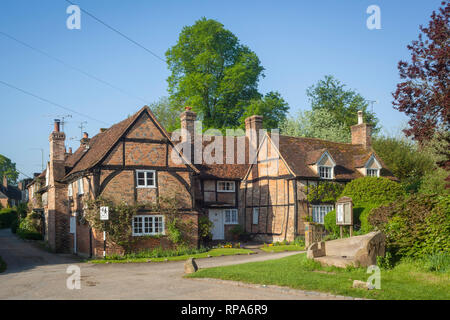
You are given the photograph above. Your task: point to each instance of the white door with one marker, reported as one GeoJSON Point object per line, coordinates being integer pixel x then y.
{"type": "Point", "coordinates": [217, 218]}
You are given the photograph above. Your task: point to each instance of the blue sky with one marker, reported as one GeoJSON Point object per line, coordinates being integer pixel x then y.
{"type": "Point", "coordinates": [298, 42]}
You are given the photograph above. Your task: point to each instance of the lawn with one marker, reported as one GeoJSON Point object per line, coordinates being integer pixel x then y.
{"type": "Point", "coordinates": [407, 280]}
{"type": "Point", "coordinates": [2, 265]}
{"type": "Point", "coordinates": [212, 253]}
{"type": "Point", "coordinates": [282, 247]}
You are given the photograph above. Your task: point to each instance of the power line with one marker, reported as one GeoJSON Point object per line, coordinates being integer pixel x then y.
{"type": "Point", "coordinates": [50, 102]}
{"type": "Point", "coordinates": [118, 32]}
{"type": "Point", "coordinates": [89, 75]}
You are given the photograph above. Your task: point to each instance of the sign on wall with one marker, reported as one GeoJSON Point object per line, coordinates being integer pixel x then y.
{"type": "Point", "coordinates": [104, 213]}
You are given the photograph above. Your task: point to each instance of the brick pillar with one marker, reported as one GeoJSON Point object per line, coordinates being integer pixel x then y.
{"type": "Point", "coordinates": [187, 119]}
{"type": "Point", "coordinates": [253, 126]}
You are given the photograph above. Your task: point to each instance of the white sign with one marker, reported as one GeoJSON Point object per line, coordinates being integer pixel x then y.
{"type": "Point", "coordinates": [104, 213]}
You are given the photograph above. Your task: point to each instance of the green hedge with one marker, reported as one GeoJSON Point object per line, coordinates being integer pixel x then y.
{"type": "Point", "coordinates": [29, 228]}
{"type": "Point", "coordinates": [7, 216]}
{"type": "Point", "coordinates": [360, 219]}
{"type": "Point", "coordinates": [373, 190]}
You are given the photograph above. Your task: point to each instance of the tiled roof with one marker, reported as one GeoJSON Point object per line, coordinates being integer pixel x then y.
{"type": "Point", "coordinates": [11, 192]}
{"type": "Point", "coordinates": [299, 153]}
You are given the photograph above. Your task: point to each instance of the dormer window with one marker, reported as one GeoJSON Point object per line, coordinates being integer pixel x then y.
{"type": "Point", "coordinates": [373, 172]}
{"type": "Point", "coordinates": [326, 172]}
{"type": "Point", "coordinates": [372, 167]}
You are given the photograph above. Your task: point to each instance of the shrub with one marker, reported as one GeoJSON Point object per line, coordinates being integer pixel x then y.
{"type": "Point", "coordinates": [14, 225]}
{"type": "Point", "coordinates": [439, 262]}
{"type": "Point", "coordinates": [237, 230]}
{"type": "Point", "coordinates": [7, 216]}
{"type": "Point", "coordinates": [386, 262]}
{"type": "Point", "coordinates": [204, 227]}
{"type": "Point", "coordinates": [360, 220]}
{"type": "Point", "coordinates": [373, 190]}
{"type": "Point", "coordinates": [29, 229]}
{"type": "Point", "coordinates": [299, 241]}
{"type": "Point", "coordinates": [418, 225]}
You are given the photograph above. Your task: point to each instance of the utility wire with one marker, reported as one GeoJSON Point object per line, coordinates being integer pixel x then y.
{"type": "Point", "coordinates": [50, 102]}
{"type": "Point", "coordinates": [118, 32]}
{"type": "Point", "coordinates": [70, 66]}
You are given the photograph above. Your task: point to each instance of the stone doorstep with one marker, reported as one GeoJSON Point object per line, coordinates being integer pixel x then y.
{"type": "Point", "coordinates": [276, 288]}
{"type": "Point", "coordinates": [337, 261]}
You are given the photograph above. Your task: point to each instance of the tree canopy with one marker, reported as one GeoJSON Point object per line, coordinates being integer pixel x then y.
{"type": "Point", "coordinates": [216, 75]}
{"type": "Point", "coordinates": [8, 169]}
{"type": "Point", "coordinates": [330, 94]}
{"type": "Point", "coordinates": [166, 113]}
{"type": "Point", "coordinates": [423, 93]}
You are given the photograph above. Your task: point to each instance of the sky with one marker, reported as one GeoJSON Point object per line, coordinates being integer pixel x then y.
{"type": "Point", "coordinates": [298, 43]}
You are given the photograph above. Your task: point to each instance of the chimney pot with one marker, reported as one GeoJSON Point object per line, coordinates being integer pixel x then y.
{"type": "Point", "coordinates": [85, 135]}
{"type": "Point", "coordinates": [57, 123]}
{"type": "Point", "coordinates": [360, 117]}
{"type": "Point", "coordinates": [70, 150]}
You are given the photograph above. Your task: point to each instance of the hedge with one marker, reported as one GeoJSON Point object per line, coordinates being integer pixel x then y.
{"type": "Point", "coordinates": [7, 216]}
{"type": "Point", "coordinates": [373, 190]}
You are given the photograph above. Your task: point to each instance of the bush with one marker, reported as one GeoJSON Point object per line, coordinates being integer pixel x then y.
{"type": "Point", "coordinates": [7, 216]}
{"type": "Point", "coordinates": [373, 190]}
{"type": "Point", "coordinates": [418, 225]}
{"type": "Point", "coordinates": [14, 225]}
{"type": "Point", "coordinates": [29, 229]}
{"type": "Point", "coordinates": [439, 262]}
{"type": "Point", "coordinates": [360, 220]}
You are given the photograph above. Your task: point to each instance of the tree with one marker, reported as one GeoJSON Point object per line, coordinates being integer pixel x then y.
{"type": "Point", "coordinates": [423, 93]}
{"type": "Point", "coordinates": [212, 72]}
{"type": "Point", "coordinates": [167, 113]}
{"type": "Point", "coordinates": [8, 169]}
{"type": "Point", "coordinates": [319, 123]}
{"type": "Point", "coordinates": [330, 94]}
{"type": "Point", "coordinates": [272, 107]}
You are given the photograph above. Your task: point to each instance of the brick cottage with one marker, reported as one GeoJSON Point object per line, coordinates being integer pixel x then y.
{"type": "Point", "coordinates": [132, 161]}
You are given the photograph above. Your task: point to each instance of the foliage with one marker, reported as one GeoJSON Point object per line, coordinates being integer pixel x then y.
{"type": "Point", "coordinates": [167, 113]}
{"type": "Point", "coordinates": [158, 252]}
{"type": "Point", "coordinates": [423, 93]}
{"type": "Point", "coordinates": [372, 190]}
{"type": "Point", "coordinates": [434, 182]}
{"type": "Point", "coordinates": [272, 107]}
{"type": "Point", "coordinates": [319, 123]}
{"type": "Point", "coordinates": [330, 94]}
{"type": "Point", "coordinates": [299, 241]}
{"type": "Point", "coordinates": [237, 230]}
{"type": "Point", "coordinates": [324, 192]}
{"type": "Point", "coordinates": [418, 225]}
{"type": "Point", "coordinates": [438, 262]}
{"type": "Point", "coordinates": [217, 76]}
{"type": "Point", "coordinates": [204, 227]}
{"type": "Point", "coordinates": [7, 216]}
{"type": "Point", "coordinates": [29, 228]}
{"type": "Point", "coordinates": [386, 262]}
{"type": "Point", "coordinates": [8, 169]}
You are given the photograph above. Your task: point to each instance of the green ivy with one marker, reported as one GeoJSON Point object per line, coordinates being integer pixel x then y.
{"type": "Point", "coordinates": [375, 190]}
{"type": "Point", "coordinates": [324, 192]}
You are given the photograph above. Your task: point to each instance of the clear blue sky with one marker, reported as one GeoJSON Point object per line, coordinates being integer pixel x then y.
{"type": "Point", "coordinates": [298, 43]}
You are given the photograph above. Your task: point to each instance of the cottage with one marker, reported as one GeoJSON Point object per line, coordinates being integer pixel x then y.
{"type": "Point", "coordinates": [11, 196]}
{"type": "Point", "coordinates": [263, 189]}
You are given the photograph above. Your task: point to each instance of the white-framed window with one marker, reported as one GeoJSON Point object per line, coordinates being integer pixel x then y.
{"type": "Point", "coordinates": [325, 172]}
{"type": "Point", "coordinates": [320, 211]}
{"type": "Point", "coordinates": [373, 172]}
{"type": "Point", "coordinates": [255, 219]}
{"type": "Point", "coordinates": [225, 186]}
{"type": "Point", "coordinates": [231, 216]}
{"type": "Point", "coordinates": [70, 190]}
{"type": "Point", "coordinates": [144, 225]}
{"type": "Point", "coordinates": [80, 186]}
{"type": "Point", "coordinates": [145, 178]}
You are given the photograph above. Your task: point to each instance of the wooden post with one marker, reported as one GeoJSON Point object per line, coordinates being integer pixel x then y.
{"type": "Point", "coordinates": [342, 234]}
{"type": "Point", "coordinates": [351, 231]}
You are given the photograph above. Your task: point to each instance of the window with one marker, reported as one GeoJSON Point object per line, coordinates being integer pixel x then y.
{"type": "Point", "coordinates": [319, 212]}
{"type": "Point", "coordinates": [372, 172]}
{"type": "Point", "coordinates": [231, 216]}
{"type": "Point", "coordinates": [148, 225]}
{"type": "Point", "coordinates": [255, 215]}
{"type": "Point", "coordinates": [70, 190]}
{"type": "Point", "coordinates": [80, 186]}
{"type": "Point", "coordinates": [146, 179]}
{"type": "Point", "coordinates": [325, 172]}
{"type": "Point", "coordinates": [225, 186]}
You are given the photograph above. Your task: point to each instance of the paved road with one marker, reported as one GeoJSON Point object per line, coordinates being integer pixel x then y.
{"type": "Point", "coordinates": [37, 274]}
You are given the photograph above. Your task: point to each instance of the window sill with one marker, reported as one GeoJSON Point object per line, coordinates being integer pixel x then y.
{"type": "Point", "coordinates": [226, 191]}
{"type": "Point", "coordinates": [145, 187]}
{"type": "Point", "coordinates": [232, 223]}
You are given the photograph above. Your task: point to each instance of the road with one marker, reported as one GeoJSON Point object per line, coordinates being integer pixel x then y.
{"type": "Point", "coordinates": [34, 273]}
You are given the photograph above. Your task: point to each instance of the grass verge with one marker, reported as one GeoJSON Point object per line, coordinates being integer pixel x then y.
{"type": "Point", "coordinates": [2, 265]}
{"type": "Point", "coordinates": [212, 253]}
{"type": "Point", "coordinates": [282, 248]}
{"type": "Point", "coordinates": [408, 280]}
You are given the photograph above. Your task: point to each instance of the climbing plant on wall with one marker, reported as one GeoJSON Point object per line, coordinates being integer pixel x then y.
{"type": "Point", "coordinates": [324, 192]}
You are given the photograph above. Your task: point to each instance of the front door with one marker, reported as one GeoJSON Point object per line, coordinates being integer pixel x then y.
{"type": "Point", "coordinates": [217, 218]}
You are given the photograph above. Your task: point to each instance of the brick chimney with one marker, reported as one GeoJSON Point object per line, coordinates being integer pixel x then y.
{"type": "Point", "coordinates": [362, 132]}
{"type": "Point", "coordinates": [187, 119]}
{"type": "Point", "coordinates": [253, 125]}
{"type": "Point", "coordinates": [5, 182]}
{"type": "Point", "coordinates": [57, 152]}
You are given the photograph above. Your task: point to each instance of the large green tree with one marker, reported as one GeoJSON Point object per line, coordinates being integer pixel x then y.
{"type": "Point", "coordinates": [167, 113]}
{"type": "Point", "coordinates": [8, 169]}
{"type": "Point", "coordinates": [332, 95]}
{"type": "Point", "coordinates": [212, 72]}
